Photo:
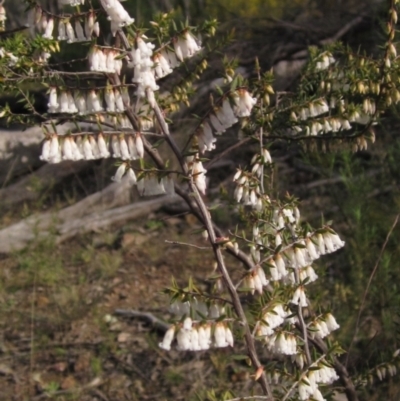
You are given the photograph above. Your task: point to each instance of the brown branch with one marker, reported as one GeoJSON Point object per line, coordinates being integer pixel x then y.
{"type": "Point", "coordinates": [204, 216]}
{"type": "Point", "coordinates": [227, 151]}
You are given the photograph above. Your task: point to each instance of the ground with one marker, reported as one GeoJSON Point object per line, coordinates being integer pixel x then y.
{"type": "Point", "coordinates": [60, 339]}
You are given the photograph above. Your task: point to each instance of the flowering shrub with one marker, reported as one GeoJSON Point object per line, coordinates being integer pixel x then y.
{"type": "Point", "coordinates": [112, 99]}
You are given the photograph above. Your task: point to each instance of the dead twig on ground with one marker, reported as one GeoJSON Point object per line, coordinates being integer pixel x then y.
{"type": "Point", "coordinates": [146, 316]}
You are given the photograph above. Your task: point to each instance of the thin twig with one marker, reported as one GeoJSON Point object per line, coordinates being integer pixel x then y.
{"type": "Point", "coordinates": [187, 244]}
{"type": "Point", "coordinates": [227, 151]}
{"type": "Point", "coordinates": [296, 383]}
{"type": "Point", "coordinates": [149, 317]}
{"type": "Point", "coordinates": [252, 397]}
{"type": "Point", "coordinates": [374, 270]}
{"type": "Point", "coordinates": [302, 323]}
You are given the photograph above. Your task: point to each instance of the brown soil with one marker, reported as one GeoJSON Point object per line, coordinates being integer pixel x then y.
{"type": "Point", "coordinates": [59, 339]}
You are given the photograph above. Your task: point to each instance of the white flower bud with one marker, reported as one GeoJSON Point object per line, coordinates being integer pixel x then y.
{"type": "Point", "coordinates": [70, 32]}
{"type": "Point", "coordinates": [220, 335]}
{"type": "Point", "coordinates": [299, 297]}
{"type": "Point", "coordinates": [119, 173]}
{"type": "Point", "coordinates": [103, 148]}
{"type": "Point", "coordinates": [125, 155]}
{"type": "Point", "coordinates": [45, 150]}
{"type": "Point", "coordinates": [168, 338]}
{"type": "Point", "coordinates": [115, 146]}
{"type": "Point", "coordinates": [132, 177]}
{"type": "Point", "coordinates": [139, 145]}
{"type": "Point", "coordinates": [187, 323]}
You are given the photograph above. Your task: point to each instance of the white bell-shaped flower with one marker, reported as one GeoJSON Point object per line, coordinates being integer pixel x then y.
{"type": "Point", "coordinates": [331, 322]}
{"type": "Point", "coordinates": [220, 335]}
{"type": "Point", "coordinates": [244, 103]}
{"type": "Point", "coordinates": [95, 147]}
{"type": "Point", "coordinates": [70, 32]}
{"type": "Point", "coordinates": [67, 149]}
{"type": "Point", "coordinates": [125, 155]}
{"type": "Point", "coordinates": [109, 97]}
{"type": "Point", "coordinates": [48, 33]}
{"type": "Point", "coordinates": [119, 173]}
{"type": "Point", "coordinates": [89, 25]}
{"type": "Point", "coordinates": [103, 147]}
{"type": "Point", "coordinates": [64, 102]}
{"type": "Point", "coordinates": [80, 103]}
{"type": "Point", "coordinates": [45, 156]}
{"type": "Point", "coordinates": [80, 34]}
{"type": "Point", "coordinates": [132, 177]}
{"type": "Point", "coordinates": [119, 101]}
{"type": "Point", "coordinates": [132, 148]}
{"type": "Point", "coordinates": [53, 100]}
{"type": "Point", "coordinates": [139, 145]}
{"type": "Point", "coordinates": [184, 340]}
{"type": "Point", "coordinates": [168, 338]}
{"type": "Point", "coordinates": [62, 34]}
{"type": "Point", "coordinates": [55, 150]}
{"type": "Point", "coordinates": [115, 147]}
{"type": "Point", "coordinates": [299, 297]}
{"type": "Point", "coordinates": [87, 149]}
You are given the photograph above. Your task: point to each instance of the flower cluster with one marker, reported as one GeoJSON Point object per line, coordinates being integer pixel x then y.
{"type": "Point", "coordinates": [90, 147]}
{"type": "Point", "coordinates": [244, 103]}
{"type": "Point", "coordinates": [248, 184]}
{"type": "Point", "coordinates": [282, 343]}
{"type": "Point", "coordinates": [301, 257]}
{"type": "Point", "coordinates": [198, 173]}
{"type": "Point", "coordinates": [272, 318]}
{"type": "Point", "coordinates": [164, 63]}
{"type": "Point", "coordinates": [299, 297]}
{"type": "Point", "coordinates": [382, 370]}
{"type": "Point", "coordinates": [323, 326]}
{"type": "Point", "coordinates": [256, 280]}
{"type": "Point", "coordinates": [321, 374]}
{"type": "Point", "coordinates": [324, 61]}
{"type": "Point", "coordinates": [165, 60]}
{"type": "Point", "coordinates": [185, 46]}
{"type": "Point", "coordinates": [3, 17]}
{"type": "Point", "coordinates": [290, 265]}
{"type": "Point", "coordinates": [103, 59]}
{"type": "Point", "coordinates": [152, 185]}
{"type": "Point", "coordinates": [198, 336]}
{"type": "Point", "coordinates": [142, 64]}
{"type": "Point", "coordinates": [117, 14]}
{"type": "Point", "coordinates": [314, 109]}
{"type": "Point", "coordinates": [73, 3]}
{"type": "Point", "coordinates": [72, 30]}
{"type": "Point", "coordinates": [70, 102]}
{"type": "Point", "coordinates": [198, 309]}
{"type": "Point", "coordinates": [224, 117]}
{"type": "Point", "coordinates": [12, 58]}
{"type": "Point", "coordinates": [148, 185]}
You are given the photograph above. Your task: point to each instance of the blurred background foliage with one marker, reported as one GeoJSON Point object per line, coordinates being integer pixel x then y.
{"type": "Point", "coordinates": [358, 191]}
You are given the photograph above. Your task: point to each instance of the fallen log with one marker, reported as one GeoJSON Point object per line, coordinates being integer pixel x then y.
{"type": "Point", "coordinates": [107, 218]}
{"type": "Point", "coordinates": [46, 176]}
{"type": "Point", "coordinates": [95, 212]}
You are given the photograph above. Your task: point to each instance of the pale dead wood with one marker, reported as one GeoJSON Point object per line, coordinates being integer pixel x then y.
{"type": "Point", "coordinates": [100, 220]}
{"type": "Point", "coordinates": [95, 212]}
{"type": "Point", "coordinates": [46, 176]}
{"type": "Point", "coordinates": [146, 316]}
